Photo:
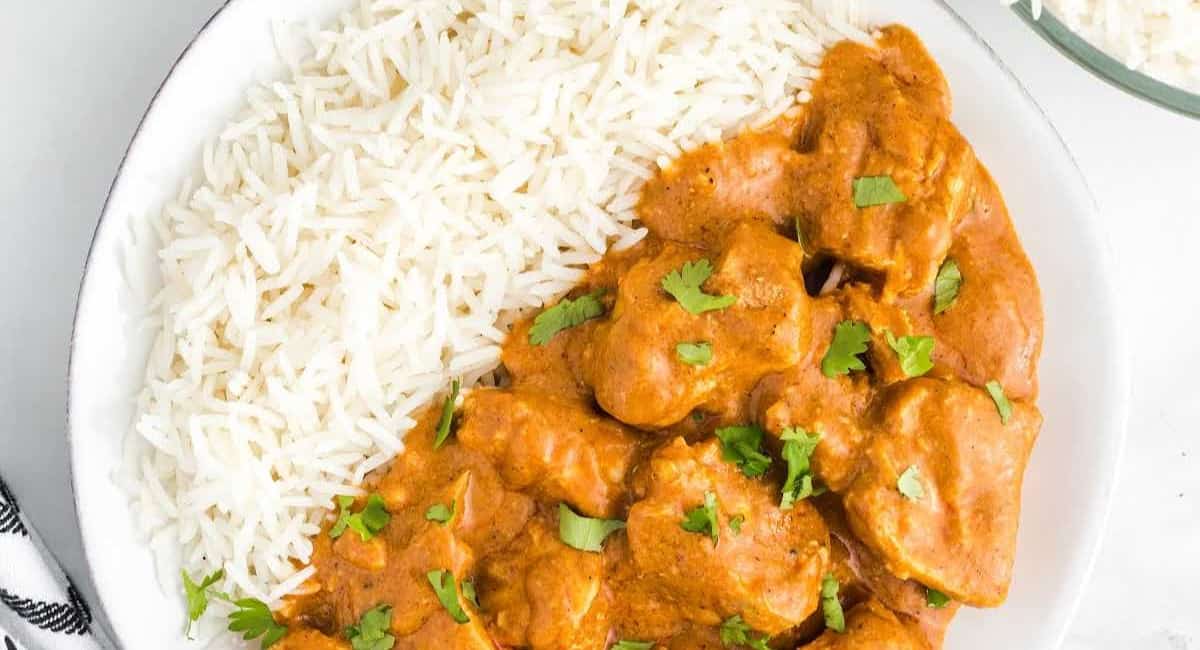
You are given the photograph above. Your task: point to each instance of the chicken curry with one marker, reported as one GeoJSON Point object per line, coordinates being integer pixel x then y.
{"type": "Point", "coordinates": [796, 415]}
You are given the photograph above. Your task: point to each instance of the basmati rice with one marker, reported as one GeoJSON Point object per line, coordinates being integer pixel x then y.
{"type": "Point", "coordinates": [365, 229]}
{"type": "Point", "coordinates": [1160, 38]}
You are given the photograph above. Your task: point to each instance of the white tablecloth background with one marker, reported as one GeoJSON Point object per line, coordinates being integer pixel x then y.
{"type": "Point", "coordinates": [76, 75]}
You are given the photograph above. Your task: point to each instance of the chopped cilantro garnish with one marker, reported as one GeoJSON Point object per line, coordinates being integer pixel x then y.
{"type": "Point", "coordinates": [703, 518]}
{"type": "Point", "coordinates": [197, 595]}
{"type": "Point", "coordinates": [1003, 406]}
{"type": "Point", "coordinates": [371, 632]}
{"type": "Point", "coordinates": [694, 354]}
{"type": "Point", "coordinates": [915, 353]}
{"type": "Point", "coordinates": [798, 447]}
{"type": "Point", "coordinates": [371, 520]}
{"type": "Point", "coordinates": [253, 619]}
{"type": "Point", "coordinates": [945, 287]}
{"type": "Point", "coordinates": [468, 591]}
{"type": "Point", "coordinates": [447, 594]}
{"type": "Point", "coordinates": [584, 533]}
{"type": "Point", "coordinates": [735, 523]}
{"type": "Point", "coordinates": [849, 340]}
{"type": "Point", "coordinates": [831, 606]}
{"type": "Point", "coordinates": [735, 632]}
{"type": "Point", "coordinates": [909, 484]}
{"type": "Point", "coordinates": [685, 286]}
{"type": "Point", "coordinates": [343, 520]}
{"type": "Point", "coordinates": [440, 512]}
{"type": "Point", "coordinates": [876, 190]}
{"type": "Point", "coordinates": [741, 445]}
{"type": "Point", "coordinates": [632, 645]}
{"type": "Point", "coordinates": [447, 420]}
{"type": "Point", "coordinates": [935, 598]}
{"type": "Point", "coordinates": [565, 315]}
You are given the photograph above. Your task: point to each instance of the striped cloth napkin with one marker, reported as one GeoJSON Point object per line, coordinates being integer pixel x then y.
{"type": "Point", "coordinates": [39, 607]}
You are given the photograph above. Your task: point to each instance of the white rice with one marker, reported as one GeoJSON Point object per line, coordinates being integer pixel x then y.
{"type": "Point", "coordinates": [364, 229]}
{"type": "Point", "coordinates": [1160, 38]}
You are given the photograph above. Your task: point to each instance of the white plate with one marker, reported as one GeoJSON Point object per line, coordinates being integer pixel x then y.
{"type": "Point", "coordinates": [1083, 372]}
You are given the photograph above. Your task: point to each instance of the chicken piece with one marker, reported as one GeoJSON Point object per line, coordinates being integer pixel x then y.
{"type": "Point", "coordinates": [633, 364]}
{"type": "Point", "coordinates": [769, 572]}
{"type": "Point", "coordinates": [545, 595]}
{"type": "Point", "coordinates": [959, 536]}
{"type": "Point", "coordinates": [834, 407]}
{"type": "Point", "coordinates": [863, 576]}
{"type": "Point", "coordinates": [559, 448]}
{"type": "Point", "coordinates": [893, 121]}
{"type": "Point", "coordinates": [994, 329]}
{"type": "Point", "coordinates": [869, 626]}
{"type": "Point", "coordinates": [307, 639]}
{"type": "Point", "coordinates": [705, 192]}
{"type": "Point", "coordinates": [442, 632]}
{"type": "Point", "coordinates": [860, 304]}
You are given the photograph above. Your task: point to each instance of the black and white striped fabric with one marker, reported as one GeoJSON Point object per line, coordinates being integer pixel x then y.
{"type": "Point", "coordinates": [39, 607]}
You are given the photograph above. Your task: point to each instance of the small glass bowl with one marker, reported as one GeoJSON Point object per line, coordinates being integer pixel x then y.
{"type": "Point", "coordinates": [1106, 67]}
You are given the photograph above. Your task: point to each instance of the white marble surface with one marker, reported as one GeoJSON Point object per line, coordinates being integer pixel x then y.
{"type": "Point", "coordinates": [77, 75]}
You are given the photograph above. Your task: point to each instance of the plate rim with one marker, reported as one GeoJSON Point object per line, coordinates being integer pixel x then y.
{"type": "Point", "coordinates": [1121, 361]}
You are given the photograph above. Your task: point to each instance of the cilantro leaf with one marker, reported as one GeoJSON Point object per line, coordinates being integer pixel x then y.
{"type": "Point", "coordinates": [565, 315]}
{"type": "Point", "coordinates": [584, 533]}
{"type": "Point", "coordinates": [831, 606]}
{"type": "Point", "coordinates": [735, 631]}
{"type": "Point", "coordinates": [685, 286]}
{"type": "Point", "coordinates": [447, 594]}
{"type": "Point", "coordinates": [468, 591]}
{"type": "Point", "coordinates": [440, 512]}
{"type": "Point", "coordinates": [371, 633]}
{"type": "Point", "coordinates": [253, 619]}
{"type": "Point", "coordinates": [735, 523]}
{"type": "Point", "coordinates": [741, 445]}
{"type": "Point", "coordinates": [1003, 406]}
{"type": "Point", "coordinates": [632, 645]}
{"type": "Point", "coordinates": [798, 447]}
{"type": "Point", "coordinates": [447, 419]}
{"type": "Point", "coordinates": [197, 595]}
{"type": "Point", "coordinates": [915, 353]}
{"type": "Point", "coordinates": [694, 354]}
{"type": "Point", "coordinates": [703, 517]}
{"type": "Point", "coordinates": [343, 520]}
{"type": "Point", "coordinates": [935, 598]}
{"type": "Point", "coordinates": [946, 285]}
{"type": "Point", "coordinates": [909, 484]}
{"type": "Point", "coordinates": [849, 340]}
{"type": "Point", "coordinates": [876, 190]}
{"type": "Point", "coordinates": [371, 520]}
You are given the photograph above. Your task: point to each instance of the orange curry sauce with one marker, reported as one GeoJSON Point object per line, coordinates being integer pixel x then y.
{"type": "Point", "coordinates": [609, 419]}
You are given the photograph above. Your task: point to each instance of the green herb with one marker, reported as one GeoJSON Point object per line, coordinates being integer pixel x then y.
{"type": "Point", "coordinates": [584, 533]}
{"type": "Point", "coordinates": [741, 445]}
{"type": "Point", "coordinates": [915, 353]}
{"type": "Point", "coordinates": [447, 419]}
{"type": "Point", "coordinates": [697, 416]}
{"type": "Point", "coordinates": [849, 340]}
{"type": "Point", "coordinates": [565, 315]}
{"type": "Point", "coordinates": [447, 593]}
{"type": "Point", "coordinates": [798, 447]}
{"type": "Point", "coordinates": [1002, 404]}
{"type": "Point", "coordinates": [371, 633]}
{"type": "Point", "coordinates": [909, 484]}
{"type": "Point", "coordinates": [831, 606]}
{"type": "Point", "coordinates": [945, 287]}
{"type": "Point", "coordinates": [735, 523]}
{"type": "Point", "coordinates": [935, 598]}
{"type": "Point", "coordinates": [197, 596]}
{"type": "Point", "coordinates": [440, 513]}
{"type": "Point", "coordinates": [343, 520]}
{"type": "Point", "coordinates": [632, 645]}
{"type": "Point", "coordinates": [253, 619]}
{"type": "Point", "coordinates": [704, 517]}
{"type": "Point", "coordinates": [735, 631]}
{"type": "Point", "coordinates": [694, 354]}
{"type": "Point", "coordinates": [371, 520]}
{"type": "Point", "coordinates": [468, 589]}
{"type": "Point", "coordinates": [685, 285]}
{"type": "Point", "coordinates": [800, 235]}
{"type": "Point", "coordinates": [876, 190]}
